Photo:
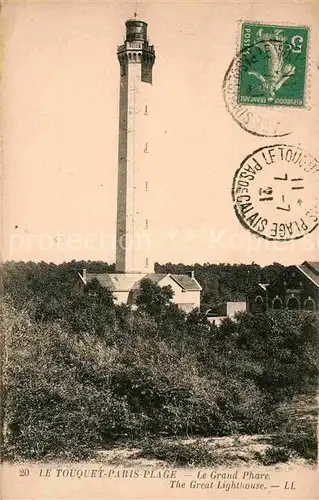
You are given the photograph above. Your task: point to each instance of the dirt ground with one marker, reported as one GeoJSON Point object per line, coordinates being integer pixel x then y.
{"type": "Point", "coordinates": [233, 451]}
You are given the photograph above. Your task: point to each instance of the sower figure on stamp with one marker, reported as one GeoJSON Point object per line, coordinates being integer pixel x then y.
{"type": "Point", "coordinates": [277, 71]}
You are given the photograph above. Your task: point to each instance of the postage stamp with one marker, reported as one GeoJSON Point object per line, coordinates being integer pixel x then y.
{"type": "Point", "coordinates": [275, 192]}
{"type": "Point", "coordinates": [266, 86]}
{"type": "Point", "coordinates": [273, 65]}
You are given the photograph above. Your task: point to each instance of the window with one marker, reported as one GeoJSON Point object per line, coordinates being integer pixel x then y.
{"type": "Point", "coordinates": [146, 223]}
{"type": "Point", "coordinates": [146, 148]}
{"type": "Point", "coordinates": [145, 110]}
{"type": "Point", "coordinates": [259, 304]}
{"type": "Point", "coordinates": [277, 303]}
{"type": "Point", "coordinates": [146, 262]}
{"type": "Point", "coordinates": [146, 186]}
{"type": "Point", "coordinates": [293, 303]}
{"type": "Point", "coordinates": [309, 304]}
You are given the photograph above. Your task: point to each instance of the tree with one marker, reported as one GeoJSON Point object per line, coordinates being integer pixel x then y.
{"type": "Point", "coordinates": [92, 311]}
{"type": "Point", "coordinates": [152, 298]}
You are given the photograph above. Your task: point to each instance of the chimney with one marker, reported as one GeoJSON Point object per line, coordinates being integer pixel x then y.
{"type": "Point", "coordinates": [192, 274]}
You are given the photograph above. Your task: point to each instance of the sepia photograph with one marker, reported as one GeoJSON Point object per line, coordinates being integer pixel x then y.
{"type": "Point", "coordinates": [159, 249]}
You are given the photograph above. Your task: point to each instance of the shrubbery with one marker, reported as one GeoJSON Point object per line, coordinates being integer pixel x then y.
{"type": "Point", "coordinates": [180, 454]}
{"type": "Point", "coordinates": [96, 373]}
{"type": "Point", "coordinates": [299, 438]}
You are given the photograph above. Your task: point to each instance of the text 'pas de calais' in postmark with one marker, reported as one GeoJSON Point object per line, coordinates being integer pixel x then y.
{"type": "Point", "coordinates": [265, 86]}
{"type": "Point", "coordinates": [273, 65]}
{"type": "Point", "coordinates": [276, 192]}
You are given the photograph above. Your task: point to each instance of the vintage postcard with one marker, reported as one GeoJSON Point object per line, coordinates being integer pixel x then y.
{"type": "Point", "coordinates": [160, 249]}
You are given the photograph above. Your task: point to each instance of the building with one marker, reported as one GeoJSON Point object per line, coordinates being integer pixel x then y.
{"type": "Point", "coordinates": [125, 286]}
{"type": "Point", "coordinates": [134, 258]}
{"type": "Point", "coordinates": [226, 310]}
{"type": "Point", "coordinates": [136, 57]}
{"type": "Point", "coordinates": [297, 287]}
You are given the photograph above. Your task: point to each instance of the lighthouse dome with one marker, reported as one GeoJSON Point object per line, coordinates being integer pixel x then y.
{"type": "Point", "coordinates": [136, 30]}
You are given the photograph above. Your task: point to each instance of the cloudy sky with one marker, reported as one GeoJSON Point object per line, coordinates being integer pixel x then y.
{"type": "Point", "coordinates": [60, 128]}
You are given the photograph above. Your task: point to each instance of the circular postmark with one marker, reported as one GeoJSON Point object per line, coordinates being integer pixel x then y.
{"type": "Point", "coordinates": [264, 86]}
{"type": "Point", "coordinates": [275, 192]}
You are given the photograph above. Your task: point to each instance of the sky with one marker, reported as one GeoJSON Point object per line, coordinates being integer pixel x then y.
{"type": "Point", "coordinates": [60, 98]}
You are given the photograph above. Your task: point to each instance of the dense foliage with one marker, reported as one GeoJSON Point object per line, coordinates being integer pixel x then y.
{"type": "Point", "coordinates": [81, 372]}
{"type": "Point", "coordinates": [49, 284]}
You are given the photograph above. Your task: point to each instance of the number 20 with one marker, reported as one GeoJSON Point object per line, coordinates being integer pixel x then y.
{"type": "Point", "coordinates": [24, 472]}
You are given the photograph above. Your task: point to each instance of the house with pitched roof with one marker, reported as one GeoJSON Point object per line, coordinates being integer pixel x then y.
{"type": "Point", "coordinates": [125, 286]}
{"type": "Point", "coordinates": [297, 287]}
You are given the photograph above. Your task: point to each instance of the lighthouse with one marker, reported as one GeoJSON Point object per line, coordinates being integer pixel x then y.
{"type": "Point", "coordinates": [133, 228]}
{"type": "Point", "coordinates": [134, 249]}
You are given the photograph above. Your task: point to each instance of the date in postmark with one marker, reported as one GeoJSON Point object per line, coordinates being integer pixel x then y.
{"type": "Point", "coordinates": [275, 192]}
{"type": "Point", "coordinates": [273, 65]}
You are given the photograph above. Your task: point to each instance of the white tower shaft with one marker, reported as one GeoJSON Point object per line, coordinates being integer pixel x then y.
{"type": "Point", "coordinates": [133, 240]}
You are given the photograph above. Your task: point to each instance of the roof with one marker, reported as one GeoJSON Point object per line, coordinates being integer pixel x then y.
{"type": "Point", "coordinates": [119, 282]}
{"type": "Point", "coordinates": [311, 270]}
{"type": "Point", "coordinates": [155, 277]}
{"type": "Point", "coordinates": [312, 264]}
{"type": "Point", "coordinates": [124, 282]}
{"type": "Point", "coordinates": [186, 282]}
{"type": "Point", "coordinates": [104, 279]}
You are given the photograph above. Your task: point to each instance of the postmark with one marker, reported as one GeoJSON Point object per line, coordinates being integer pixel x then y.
{"type": "Point", "coordinates": [273, 65]}
{"type": "Point", "coordinates": [262, 104]}
{"type": "Point", "coordinates": [275, 192]}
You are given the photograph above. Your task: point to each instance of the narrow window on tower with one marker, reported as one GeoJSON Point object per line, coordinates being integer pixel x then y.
{"type": "Point", "coordinates": [145, 110]}
{"type": "Point", "coordinates": [146, 223]}
{"type": "Point", "coordinates": [146, 186]}
{"type": "Point", "coordinates": [146, 262]}
{"type": "Point", "coordinates": [146, 148]}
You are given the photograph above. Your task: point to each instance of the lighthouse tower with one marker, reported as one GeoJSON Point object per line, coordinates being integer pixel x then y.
{"type": "Point", "coordinates": [134, 256]}
{"type": "Point", "coordinates": [133, 243]}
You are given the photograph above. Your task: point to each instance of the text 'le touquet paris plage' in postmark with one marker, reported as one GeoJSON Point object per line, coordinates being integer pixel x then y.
{"type": "Point", "coordinates": [275, 192]}
{"type": "Point", "coordinates": [268, 73]}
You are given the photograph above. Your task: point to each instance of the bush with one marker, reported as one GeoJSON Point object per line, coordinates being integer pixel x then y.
{"type": "Point", "coordinates": [104, 373]}
{"type": "Point", "coordinates": [300, 439]}
{"type": "Point", "coordinates": [273, 455]}
{"type": "Point", "coordinates": [82, 392]}
{"type": "Point", "coordinates": [279, 351]}
{"type": "Point", "coordinates": [177, 398]}
{"type": "Point", "coordinates": [179, 454]}
{"type": "Point", "coordinates": [57, 393]}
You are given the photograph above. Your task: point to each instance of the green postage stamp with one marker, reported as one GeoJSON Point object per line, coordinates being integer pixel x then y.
{"type": "Point", "coordinates": [273, 61]}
